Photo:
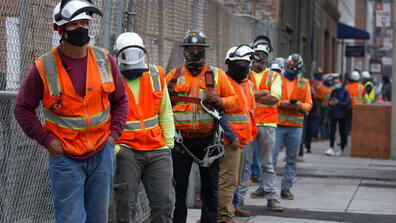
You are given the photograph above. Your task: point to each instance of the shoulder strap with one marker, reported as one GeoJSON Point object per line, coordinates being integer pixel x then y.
{"type": "Point", "coordinates": [209, 79]}
{"type": "Point", "coordinates": [103, 64]}
{"type": "Point", "coordinates": [173, 81]}
{"type": "Point", "coordinates": [51, 72]}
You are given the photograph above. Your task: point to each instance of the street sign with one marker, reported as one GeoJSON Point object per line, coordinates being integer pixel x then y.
{"type": "Point", "coordinates": [375, 66]}
{"type": "Point", "coordinates": [383, 14]}
{"type": "Point", "coordinates": [354, 51]}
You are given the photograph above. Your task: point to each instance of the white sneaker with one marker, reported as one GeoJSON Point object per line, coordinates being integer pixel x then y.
{"type": "Point", "coordinates": [339, 153]}
{"type": "Point", "coordinates": [330, 152]}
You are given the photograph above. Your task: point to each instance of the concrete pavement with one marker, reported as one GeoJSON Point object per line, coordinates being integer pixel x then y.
{"type": "Point", "coordinates": [331, 189]}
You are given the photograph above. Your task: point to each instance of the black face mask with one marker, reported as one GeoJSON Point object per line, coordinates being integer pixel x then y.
{"type": "Point", "coordinates": [237, 72]}
{"type": "Point", "coordinates": [133, 73]}
{"type": "Point", "coordinates": [194, 61]}
{"type": "Point", "coordinates": [77, 37]}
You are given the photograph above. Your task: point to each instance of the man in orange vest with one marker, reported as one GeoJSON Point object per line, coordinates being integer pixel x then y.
{"type": "Point", "coordinates": [358, 95]}
{"type": "Point", "coordinates": [190, 86]}
{"type": "Point", "coordinates": [296, 100]}
{"type": "Point", "coordinates": [318, 86]}
{"type": "Point", "coordinates": [143, 149]}
{"type": "Point", "coordinates": [325, 119]}
{"type": "Point", "coordinates": [242, 123]}
{"type": "Point", "coordinates": [85, 108]}
{"type": "Point", "coordinates": [268, 91]}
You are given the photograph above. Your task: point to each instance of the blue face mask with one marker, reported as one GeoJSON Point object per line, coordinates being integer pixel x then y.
{"type": "Point", "coordinates": [328, 83]}
{"type": "Point", "coordinates": [337, 86]}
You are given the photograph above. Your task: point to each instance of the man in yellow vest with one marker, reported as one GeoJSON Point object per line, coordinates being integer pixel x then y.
{"type": "Point", "coordinates": [195, 88]}
{"type": "Point", "coordinates": [85, 108]}
{"type": "Point", "coordinates": [268, 92]}
{"type": "Point", "coordinates": [368, 85]}
{"type": "Point", "coordinates": [296, 100]}
{"type": "Point", "coordinates": [144, 148]}
{"type": "Point", "coordinates": [242, 123]}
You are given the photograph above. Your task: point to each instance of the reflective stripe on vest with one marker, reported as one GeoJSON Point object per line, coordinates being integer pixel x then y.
{"type": "Point", "coordinates": [155, 79]}
{"type": "Point", "coordinates": [237, 118]}
{"type": "Point", "coordinates": [301, 83]}
{"type": "Point", "coordinates": [103, 64]}
{"type": "Point", "coordinates": [290, 118]}
{"type": "Point", "coordinates": [270, 77]}
{"type": "Point", "coordinates": [51, 73]}
{"type": "Point", "coordinates": [148, 124]}
{"type": "Point", "coordinates": [76, 123]}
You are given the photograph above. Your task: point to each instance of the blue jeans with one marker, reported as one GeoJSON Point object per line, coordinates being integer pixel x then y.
{"type": "Point", "coordinates": [256, 165]}
{"type": "Point", "coordinates": [81, 189]}
{"type": "Point", "coordinates": [292, 137]}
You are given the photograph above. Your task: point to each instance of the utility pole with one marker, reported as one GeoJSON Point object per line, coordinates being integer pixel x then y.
{"type": "Point", "coordinates": [393, 113]}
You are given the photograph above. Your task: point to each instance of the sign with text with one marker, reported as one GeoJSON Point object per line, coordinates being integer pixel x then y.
{"type": "Point", "coordinates": [383, 14]}
{"type": "Point", "coordinates": [354, 51]}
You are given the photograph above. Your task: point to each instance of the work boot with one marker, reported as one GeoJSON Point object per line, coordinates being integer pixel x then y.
{"type": "Point", "coordinates": [274, 205]}
{"type": "Point", "coordinates": [239, 212]}
{"type": "Point", "coordinates": [259, 193]}
{"type": "Point", "coordinates": [300, 159]}
{"type": "Point", "coordinates": [287, 195]}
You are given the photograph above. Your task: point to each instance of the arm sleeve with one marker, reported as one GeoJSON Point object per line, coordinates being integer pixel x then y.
{"type": "Point", "coordinates": [225, 91]}
{"type": "Point", "coordinates": [276, 88]}
{"type": "Point", "coordinates": [166, 118]}
{"type": "Point", "coordinates": [231, 136]}
{"type": "Point", "coordinates": [28, 99]}
{"type": "Point", "coordinates": [118, 102]}
{"type": "Point", "coordinates": [307, 104]}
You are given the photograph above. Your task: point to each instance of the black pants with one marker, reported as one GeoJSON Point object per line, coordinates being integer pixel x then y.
{"type": "Point", "coordinates": [308, 121]}
{"type": "Point", "coordinates": [343, 134]}
{"type": "Point", "coordinates": [209, 180]}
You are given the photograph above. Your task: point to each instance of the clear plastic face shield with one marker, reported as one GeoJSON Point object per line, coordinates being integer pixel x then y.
{"type": "Point", "coordinates": [131, 57]}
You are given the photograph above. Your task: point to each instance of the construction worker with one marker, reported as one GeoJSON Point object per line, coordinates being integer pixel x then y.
{"type": "Point", "coordinates": [79, 85]}
{"type": "Point", "coordinates": [143, 149]}
{"type": "Point", "coordinates": [268, 92]}
{"type": "Point", "coordinates": [368, 85]}
{"type": "Point", "coordinates": [325, 118]}
{"type": "Point", "coordinates": [358, 95]}
{"type": "Point", "coordinates": [296, 100]}
{"type": "Point", "coordinates": [195, 88]}
{"type": "Point", "coordinates": [242, 123]}
{"type": "Point", "coordinates": [318, 86]}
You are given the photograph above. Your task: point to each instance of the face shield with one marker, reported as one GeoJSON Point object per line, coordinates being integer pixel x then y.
{"type": "Point", "coordinates": [131, 61]}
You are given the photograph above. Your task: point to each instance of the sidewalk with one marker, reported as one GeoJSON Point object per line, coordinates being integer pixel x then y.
{"type": "Point", "coordinates": [331, 189]}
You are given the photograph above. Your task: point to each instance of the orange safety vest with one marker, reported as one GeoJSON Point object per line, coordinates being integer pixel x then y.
{"type": "Point", "coordinates": [241, 118]}
{"type": "Point", "coordinates": [142, 130]}
{"type": "Point", "coordinates": [265, 113]}
{"type": "Point", "coordinates": [188, 114]}
{"type": "Point", "coordinates": [293, 118]}
{"type": "Point", "coordinates": [356, 92]}
{"type": "Point", "coordinates": [326, 95]}
{"type": "Point", "coordinates": [82, 124]}
{"type": "Point", "coordinates": [319, 89]}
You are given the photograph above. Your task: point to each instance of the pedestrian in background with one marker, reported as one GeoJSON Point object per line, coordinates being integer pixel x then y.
{"type": "Point", "coordinates": [85, 107]}
{"type": "Point", "coordinates": [339, 103]}
{"type": "Point", "coordinates": [386, 90]}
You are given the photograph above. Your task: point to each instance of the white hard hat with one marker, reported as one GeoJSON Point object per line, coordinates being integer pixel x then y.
{"type": "Point", "coordinates": [241, 52]}
{"type": "Point", "coordinates": [130, 51]}
{"type": "Point", "coordinates": [67, 11]}
{"type": "Point", "coordinates": [276, 65]}
{"type": "Point", "coordinates": [365, 75]}
{"type": "Point", "coordinates": [334, 75]}
{"type": "Point", "coordinates": [355, 76]}
{"type": "Point", "coordinates": [262, 43]}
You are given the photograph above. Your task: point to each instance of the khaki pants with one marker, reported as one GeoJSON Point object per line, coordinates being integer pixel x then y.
{"type": "Point", "coordinates": [229, 180]}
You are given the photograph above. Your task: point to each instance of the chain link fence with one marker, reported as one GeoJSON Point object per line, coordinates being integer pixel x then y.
{"type": "Point", "coordinates": [27, 33]}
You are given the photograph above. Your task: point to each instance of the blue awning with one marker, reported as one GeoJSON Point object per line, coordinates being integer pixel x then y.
{"type": "Point", "coordinates": [348, 32]}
